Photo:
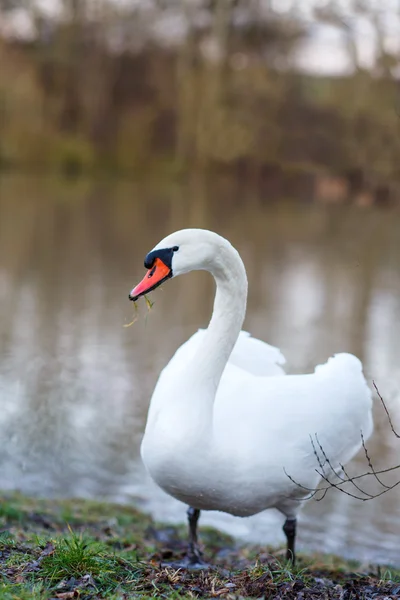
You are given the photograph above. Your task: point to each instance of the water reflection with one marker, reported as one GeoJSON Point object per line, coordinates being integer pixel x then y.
{"type": "Point", "coordinates": [75, 384]}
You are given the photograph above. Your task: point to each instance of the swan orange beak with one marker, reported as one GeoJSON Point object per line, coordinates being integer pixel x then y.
{"type": "Point", "coordinates": [154, 277]}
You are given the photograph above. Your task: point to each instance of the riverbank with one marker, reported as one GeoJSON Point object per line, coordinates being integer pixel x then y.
{"type": "Point", "coordinates": [84, 549]}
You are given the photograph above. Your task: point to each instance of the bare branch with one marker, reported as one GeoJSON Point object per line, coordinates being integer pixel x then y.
{"type": "Point", "coordinates": [343, 477]}
{"type": "Point", "coordinates": [370, 463]}
{"type": "Point", "coordinates": [386, 410]}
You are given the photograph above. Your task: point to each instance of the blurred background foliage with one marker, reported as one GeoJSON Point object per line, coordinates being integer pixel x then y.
{"type": "Point", "coordinates": [199, 85]}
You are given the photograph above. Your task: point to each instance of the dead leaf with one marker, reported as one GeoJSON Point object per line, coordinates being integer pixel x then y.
{"type": "Point", "coordinates": [68, 595]}
{"type": "Point", "coordinates": [47, 550]}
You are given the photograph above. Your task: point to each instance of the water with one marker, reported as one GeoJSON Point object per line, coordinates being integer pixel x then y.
{"type": "Point", "coordinates": [75, 384]}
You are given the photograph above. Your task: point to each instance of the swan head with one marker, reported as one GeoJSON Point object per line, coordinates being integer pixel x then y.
{"type": "Point", "coordinates": [181, 252]}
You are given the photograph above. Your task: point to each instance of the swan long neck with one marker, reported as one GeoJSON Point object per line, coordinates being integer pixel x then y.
{"type": "Point", "coordinates": [227, 319]}
{"type": "Point", "coordinates": [186, 395]}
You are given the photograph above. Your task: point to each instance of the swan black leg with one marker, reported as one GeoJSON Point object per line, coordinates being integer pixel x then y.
{"type": "Point", "coordinates": [289, 529]}
{"type": "Point", "coordinates": [194, 554]}
{"type": "Point", "coordinates": [193, 558]}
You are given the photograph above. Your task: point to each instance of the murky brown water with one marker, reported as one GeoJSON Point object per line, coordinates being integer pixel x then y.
{"type": "Point", "coordinates": [75, 384]}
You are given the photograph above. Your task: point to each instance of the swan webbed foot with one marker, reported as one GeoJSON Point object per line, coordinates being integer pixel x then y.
{"type": "Point", "coordinates": [194, 555]}
{"type": "Point", "coordinates": [289, 529]}
{"type": "Point", "coordinates": [187, 563]}
{"type": "Point", "coordinates": [193, 559]}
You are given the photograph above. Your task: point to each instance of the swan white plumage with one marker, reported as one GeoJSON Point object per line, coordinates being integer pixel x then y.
{"type": "Point", "coordinates": [226, 426]}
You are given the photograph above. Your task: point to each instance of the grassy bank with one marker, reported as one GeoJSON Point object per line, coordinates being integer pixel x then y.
{"type": "Point", "coordinates": [82, 549]}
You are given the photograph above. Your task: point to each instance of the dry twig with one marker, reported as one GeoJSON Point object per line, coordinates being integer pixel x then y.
{"type": "Point", "coordinates": [343, 477]}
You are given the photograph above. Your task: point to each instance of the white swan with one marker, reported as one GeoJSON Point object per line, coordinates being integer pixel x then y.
{"type": "Point", "coordinates": [225, 428]}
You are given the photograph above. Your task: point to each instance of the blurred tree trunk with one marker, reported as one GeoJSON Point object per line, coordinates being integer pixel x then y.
{"type": "Point", "coordinates": [332, 14]}
{"type": "Point", "coordinates": [214, 76]}
{"type": "Point", "coordinates": [201, 79]}
{"type": "Point", "coordinates": [186, 87]}
{"type": "Point", "coordinates": [71, 108]}
{"type": "Point", "coordinates": [223, 17]}
{"type": "Point", "coordinates": [103, 73]}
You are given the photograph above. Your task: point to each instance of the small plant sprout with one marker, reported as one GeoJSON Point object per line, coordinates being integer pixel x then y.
{"type": "Point", "coordinates": [149, 305]}
{"type": "Point", "coordinates": [135, 315]}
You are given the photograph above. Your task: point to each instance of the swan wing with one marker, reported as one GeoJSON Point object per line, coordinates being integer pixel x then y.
{"type": "Point", "coordinates": [249, 354]}
{"type": "Point", "coordinates": [257, 357]}
{"type": "Point", "coordinates": [296, 418]}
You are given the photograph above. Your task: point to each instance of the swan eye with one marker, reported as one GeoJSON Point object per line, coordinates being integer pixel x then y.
{"type": "Point", "coordinates": [175, 249]}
